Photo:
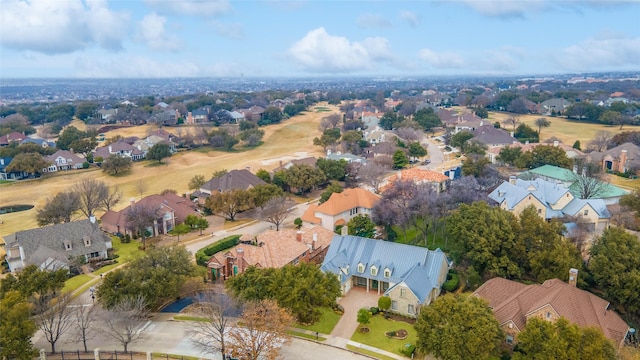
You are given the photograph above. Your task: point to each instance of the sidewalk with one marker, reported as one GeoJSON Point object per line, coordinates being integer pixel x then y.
{"type": "Point", "coordinates": [341, 343]}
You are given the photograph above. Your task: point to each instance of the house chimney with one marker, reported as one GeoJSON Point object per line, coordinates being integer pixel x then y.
{"type": "Point", "coordinates": [584, 171]}
{"type": "Point", "coordinates": [512, 179]}
{"type": "Point", "coordinates": [573, 277]}
{"type": "Point", "coordinates": [132, 202]}
{"type": "Point", "coordinates": [556, 143]}
{"type": "Point", "coordinates": [240, 256]}
{"type": "Point", "coordinates": [92, 218]}
{"type": "Point", "coordinates": [622, 167]}
{"type": "Point", "coordinates": [344, 231]}
{"type": "Point", "coordinates": [511, 134]}
{"type": "Point", "coordinates": [575, 169]}
{"type": "Point", "coordinates": [110, 149]}
{"type": "Point", "coordinates": [315, 241]}
{"type": "Point", "coordinates": [299, 235]}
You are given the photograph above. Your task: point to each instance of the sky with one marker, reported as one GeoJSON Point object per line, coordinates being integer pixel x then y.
{"type": "Point", "coordinates": [315, 38]}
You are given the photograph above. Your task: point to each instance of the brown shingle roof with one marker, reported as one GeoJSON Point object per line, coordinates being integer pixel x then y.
{"type": "Point", "coordinates": [234, 179]}
{"type": "Point", "coordinates": [512, 301]}
{"type": "Point", "coordinates": [348, 199]}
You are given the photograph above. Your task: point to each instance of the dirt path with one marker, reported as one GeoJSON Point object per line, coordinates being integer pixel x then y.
{"type": "Point", "coordinates": [291, 139]}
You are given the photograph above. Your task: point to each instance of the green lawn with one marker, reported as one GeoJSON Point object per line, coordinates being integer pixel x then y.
{"type": "Point", "coordinates": [376, 338]}
{"type": "Point", "coordinates": [321, 109]}
{"type": "Point", "coordinates": [325, 325]}
{"type": "Point", "coordinates": [368, 353]}
{"type": "Point", "coordinates": [306, 336]}
{"type": "Point", "coordinates": [414, 237]}
{"type": "Point", "coordinates": [75, 282]}
{"type": "Point", "coordinates": [125, 251]}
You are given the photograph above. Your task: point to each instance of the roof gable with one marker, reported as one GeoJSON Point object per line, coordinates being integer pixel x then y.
{"type": "Point", "coordinates": [346, 200]}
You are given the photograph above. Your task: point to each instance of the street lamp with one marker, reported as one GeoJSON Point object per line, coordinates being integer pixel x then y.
{"type": "Point", "coordinates": [93, 296]}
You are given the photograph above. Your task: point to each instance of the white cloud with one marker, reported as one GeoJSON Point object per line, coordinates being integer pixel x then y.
{"type": "Point", "coordinates": [372, 21]}
{"type": "Point", "coordinates": [56, 27]}
{"type": "Point", "coordinates": [233, 31]}
{"type": "Point", "coordinates": [506, 8]}
{"type": "Point", "coordinates": [151, 31]}
{"type": "Point", "coordinates": [191, 7]}
{"type": "Point", "coordinates": [441, 60]}
{"type": "Point", "coordinates": [606, 52]}
{"type": "Point", "coordinates": [321, 52]}
{"type": "Point", "coordinates": [411, 18]}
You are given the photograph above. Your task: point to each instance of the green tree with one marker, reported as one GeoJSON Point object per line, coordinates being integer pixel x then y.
{"type": "Point", "coordinates": [427, 119]}
{"type": "Point", "coordinates": [264, 175]}
{"type": "Point", "coordinates": [416, 150]}
{"type": "Point", "coordinates": [363, 317]}
{"type": "Point", "coordinates": [459, 138]}
{"type": "Point", "coordinates": [390, 119]}
{"type": "Point", "coordinates": [68, 136]}
{"type": "Point", "coordinates": [252, 137]}
{"type": "Point", "coordinates": [229, 203]}
{"type": "Point", "coordinates": [180, 229]}
{"type": "Point", "coordinates": [329, 137]}
{"type": "Point", "coordinates": [509, 155]}
{"type": "Point", "coordinates": [525, 133]}
{"type": "Point", "coordinates": [351, 140]}
{"type": "Point", "coordinates": [615, 266]}
{"type": "Point", "coordinates": [400, 159]}
{"type": "Point", "coordinates": [334, 187]}
{"type": "Point", "coordinates": [482, 113]}
{"type": "Point", "coordinates": [384, 303]}
{"type": "Point", "coordinates": [543, 339]}
{"type": "Point", "coordinates": [271, 115]}
{"type": "Point", "coordinates": [361, 225]}
{"type": "Point", "coordinates": [543, 155]}
{"type": "Point", "coordinates": [31, 163]}
{"type": "Point", "coordinates": [16, 327]}
{"type": "Point", "coordinates": [59, 209]}
{"type": "Point", "coordinates": [86, 110]}
{"type": "Point", "coordinates": [540, 123]}
{"type": "Point", "coordinates": [303, 177]}
{"type": "Point", "coordinates": [83, 146]}
{"type": "Point", "coordinates": [158, 152]}
{"type": "Point", "coordinates": [474, 165]}
{"type": "Point", "coordinates": [576, 145]}
{"type": "Point", "coordinates": [333, 169]}
{"type": "Point", "coordinates": [456, 327]}
{"type": "Point", "coordinates": [261, 194]}
{"type": "Point", "coordinates": [116, 164]}
{"type": "Point", "coordinates": [35, 284]}
{"type": "Point", "coordinates": [196, 182]}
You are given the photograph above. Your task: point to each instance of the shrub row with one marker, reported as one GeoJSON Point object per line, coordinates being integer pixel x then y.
{"type": "Point", "coordinates": [451, 284]}
{"type": "Point", "coordinates": [203, 255]}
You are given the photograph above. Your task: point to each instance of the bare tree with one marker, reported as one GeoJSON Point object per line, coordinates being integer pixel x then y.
{"type": "Point", "coordinates": [264, 331]}
{"type": "Point", "coordinates": [410, 134]}
{"type": "Point", "coordinates": [276, 210]}
{"type": "Point", "coordinates": [59, 209]}
{"type": "Point", "coordinates": [141, 186]}
{"type": "Point", "coordinates": [54, 318]}
{"type": "Point", "coordinates": [600, 141]}
{"type": "Point", "coordinates": [334, 119]}
{"type": "Point", "coordinates": [372, 174]}
{"type": "Point", "coordinates": [513, 121]}
{"type": "Point", "coordinates": [139, 218]}
{"type": "Point", "coordinates": [83, 325]}
{"type": "Point", "coordinates": [210, 335]}
{"type": "Point", "coordinates": [126, 321]}
{"type": "Point", "coordinates": [112, 198]}
{"type": "Point", "coordinates": [589, 187]}
{"type": "Point", "coordinates": [92, 194]}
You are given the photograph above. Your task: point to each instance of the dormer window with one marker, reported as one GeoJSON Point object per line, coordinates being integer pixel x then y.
{"type": "Point", "coordinates": [387, 273]}
{"type": "Point", "coordinates": [67, 245]}
{"type": "Point", "coordinates": [87, 241]}
{"type": "Point", "coordinates": [361, 268]}
{"type": "Point", "coordinates": [374, 271]}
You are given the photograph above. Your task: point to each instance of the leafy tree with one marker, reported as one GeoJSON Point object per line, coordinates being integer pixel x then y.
{"type": "Point", "coordinates": [86, 110]}
{"type": "Point", "coordinates": [294, 109]}
{"type": "Point", "coordinates": [68, 136]}
{"type": "Point", "coordinates": [457, 327]}
{"type": "Point", "coordinates": [576, 145]}
{"type": "Point", "coordinates": [543, 339]}
{"type": "Point", "coordinates": [427, 119]}
{"type": "Point", "coordinates": [16, 122]}
{"type": "Point", "coordinates": [261, 194]}
{"type": "Point", "coordinates": [475, 165]}
{"type": "Point", "coordinates": [540, 123]}
{"type": "Point", "coordinates": [351, 140]}
{"type": "Point", "coordinates": [252, 137]}
{"type": "Point", "coordinates": [509, 155]}
{"type": "Point", "coordinates": [59, 209]}
{"type": "Point", "coordinates": [400, 159]}
{"type": "Point", "coordinates": [584, 111]}
{"type": "Point", "coordinates": [525, 133]}
{"type": "Point", "coordinates": [115, 164]}
{"type": "Point", "coordinates": [32, 163]}
{"type": "Point", "coordinates": [264, 175]}
{"type": "Point", "coordinates": [265, 328]}
{"type": "Point", "coordinates": [416, 150]}
{"type": "Point", "coordinates": [271, 115]}
{"type": "Point", "coordinates": [329, 138]}
{"type": "Point", "coordinates": [615, 266]}
{"type": "Point", "coordinates": [158, 152]}
{"type": "Point", "coordinates": [384, 303]}
{"type": "Point", "coordinates": [334, 187]}
{"type": "Point", "coordinates": [83, 146]}
{"type": "Point", "coordinates": [361, 225]}
{"type": "Point", "coordinates": [333, 169]}
{"type": "Point", "coordinates": [196, 182]}
{"type": "Point", "coordinates": [390, 119]}
{"type": "Point", "coordinates": [211, 335]}
{"type": "Point", "coordinates": [222, 139]}
{"type": "Point", "coordinates": [180, 229]}
{"type": "Point", "coordinates": [35, 284]}
{"type": "Point", "coordinates": [125, 321]}
{"type": "Point", "coordinates": [229, 203]}
{"type": "Point", "coordinates": [16, 327]}
{"type": "Point", "coordinates": [62, 113]}
{"type": "Point", "coordinates": [482, 113]}
{"type": "Point", "coordinates": [473, 147]}
{"type": "Point", "coordinates": [364, 317]}
{"type": "Point", "coordinates": [548, 155]}
{"type": "Point", "coordinates": [276, 210]}
{"type": "Point", "coordinates": [458, 139]}
{"type": "Point", "coordinates": [303, 177]}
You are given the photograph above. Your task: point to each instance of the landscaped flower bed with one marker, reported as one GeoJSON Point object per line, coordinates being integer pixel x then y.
{"type": "Point", "coordinates": [398, 334]}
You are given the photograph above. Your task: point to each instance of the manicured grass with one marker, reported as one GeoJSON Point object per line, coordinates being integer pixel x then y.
{"type": "Point", "coordinates": [376, 338]}
{"type": "Point", "coordinates": [172, 356]}
{"type": "Point", "coordinates": [627, 184]}
{"type": "Point", "coordinates": [189, 318]}
{"type": "Point", "coordinates": [231, 224]}
{"type": "Point", "coordinates": [415, 237]}
{"type": "Point", "coordinates": [306, 336]}
{"type": "Point", "coordinates": [321, 109]}
{"type": "Point", "coordinates": [76, 282]}
{"type": "Point", "coordinates": [325, 325]}
{"type": "Point", "coordinates": [125, 251]}
{"type": "Point", "coordinates": [369, 353]}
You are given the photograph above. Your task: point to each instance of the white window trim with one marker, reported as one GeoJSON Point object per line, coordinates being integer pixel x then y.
{"type": "Point", "coordinates": [374, 271]}
{"type": "Point", "coordinates": [387, 273]}
{"type": "Point", "coordinates": [361, 268]}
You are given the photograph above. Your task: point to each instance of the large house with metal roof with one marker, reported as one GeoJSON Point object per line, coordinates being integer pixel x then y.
{"type": "Point", "coordinates": [551, 200]}
{"type": "Point", "coordinates": [411, 276]}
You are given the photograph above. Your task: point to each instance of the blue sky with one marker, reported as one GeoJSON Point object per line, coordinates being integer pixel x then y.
{"type": "Point", "coordinates": [180, 38]}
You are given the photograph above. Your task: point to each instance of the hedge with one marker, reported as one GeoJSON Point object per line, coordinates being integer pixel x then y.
{"type": "Point", "coordinates": [451, 284]}
{"type": "Point", "coordinates": [203, 255]}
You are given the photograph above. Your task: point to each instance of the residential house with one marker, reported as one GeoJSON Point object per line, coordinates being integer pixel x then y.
{"type": "Point", "coordinates": [14, 175]}
{"type": "Point", "coordinates": [340, 208]}
{"type": "Point", "coordinates": [492, 137]}
{"type": "Point", "coordinates": [15, 136]}
{"type": "Point", "coordinates": [234, 179]}
{"type": "Point", "coordinates": [470, 125]}
{"type": "Point", "coordinates": [514, 304]}
{"type": "Point", "coordinates": [624, 158]}
{"type": "Point", "coordinates": [271, 249]}
{"type": "Point", "coordinates": [493, 153]}
{"type": "Point", "coordinates": [411, 276]}
{"type": "Point", "coordinates": [371, 120]}
{"type": "Point", "coordinates": [197, 116]}
{"type": "Point", "coordinates": [166, 117]}
{"type": "Point", "coordinates": [609, 193]}
{"type": "Point", "coordinates": [107, 115]}
{"type": "Point", "coordinates": [309, 161]}
{"type": "Point", "coordinates": [554, 106]}
{"type": "Point", "coordinates": [147, 143]}
{"type": "Point", "coordinates": [119, 148]}
{"type": "Point", "coordinates": [551, 200]}
{"type": "Point", "coordinates": [237, 117]}
{"type": "Point", "coordinates": [439, 181]}
{"type": "Point", "coordinates": [63, 160]}
{"type": "Point", "coordinates": [56, 246]}
{"type": "Point", "coordinates": [40, 142]}
{"type": "Point", "coordinates": [348, 157]}
{"type": "Point", "coordinates": [253, 113]}
{"type": "Point", "coordinates": [171, 210]}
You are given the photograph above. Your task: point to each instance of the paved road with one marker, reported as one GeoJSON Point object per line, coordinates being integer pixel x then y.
{"type": "Point", "coordinates": [435, 154]}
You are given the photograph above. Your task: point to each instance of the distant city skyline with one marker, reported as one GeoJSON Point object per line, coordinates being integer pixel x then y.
{"type": "Point", "coordinates": [313, 38]}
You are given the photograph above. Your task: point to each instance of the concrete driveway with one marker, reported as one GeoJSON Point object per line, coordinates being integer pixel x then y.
{"type": "Point", "coordinates": [356, 299]}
